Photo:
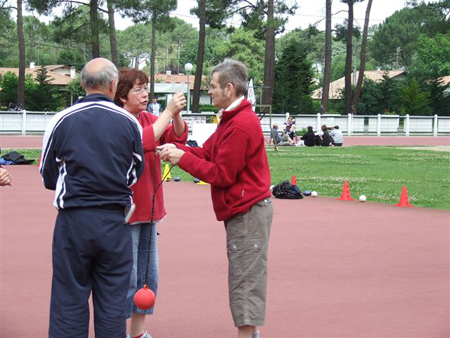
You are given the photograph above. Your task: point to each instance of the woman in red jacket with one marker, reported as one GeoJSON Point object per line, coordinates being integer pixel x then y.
{"type": "Point", "coordinates": [132, 95]}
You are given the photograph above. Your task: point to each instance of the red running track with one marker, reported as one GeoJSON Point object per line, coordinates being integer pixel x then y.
{"type": "Point", "coordinates": [20, 142]}
{"type": "Point", "coordinates": [336, 268]}
{"type": "Point", "coordinates": [397, 141]}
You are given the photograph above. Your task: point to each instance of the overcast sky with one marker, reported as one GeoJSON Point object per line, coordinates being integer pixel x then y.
{"type": "Point", "coordinates": [308, 12]}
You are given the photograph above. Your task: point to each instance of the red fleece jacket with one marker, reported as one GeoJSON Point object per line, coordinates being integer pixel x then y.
{"type": "Point", "coordinates": [234, 161]}
{"type": "Point", "coordinates": [143, 189]}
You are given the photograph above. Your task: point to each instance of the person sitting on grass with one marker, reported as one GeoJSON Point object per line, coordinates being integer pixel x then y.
{"type": "Point", "coordinates": [337, 137]}
{"type": "Point", "coordinates": [289, 128]}
{"type": "Point", "coordinates": [274, 136]}
{"type": "Point", "coordinates": [283, 140]}
{"type": "Point", "coordinates": [325, 140]}
{"type": "Point", "coordinates": [309, 138]}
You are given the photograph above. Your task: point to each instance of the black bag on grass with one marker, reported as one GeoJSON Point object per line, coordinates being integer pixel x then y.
{"type": "Point", "coordinates": [16, 158]}
{"type": "Point", "coordinates": [286, 190]}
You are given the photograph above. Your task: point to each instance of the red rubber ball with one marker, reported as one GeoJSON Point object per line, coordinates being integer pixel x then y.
{"type": "Point", "coordinates": [144, 298]}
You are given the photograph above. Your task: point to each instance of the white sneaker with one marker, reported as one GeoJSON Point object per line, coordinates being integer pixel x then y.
{"type": "Point", "coordinates": [255, 334]}
{"type": "Point", "coordinates": [147, 335]}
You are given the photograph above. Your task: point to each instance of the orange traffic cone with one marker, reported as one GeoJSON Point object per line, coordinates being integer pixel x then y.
{"type": "Point", "coordinates": [293, 180]}
{"type": "Point", "coordinates": [345, 196]}
{"type": "Point", "coordinates": [403, 199]}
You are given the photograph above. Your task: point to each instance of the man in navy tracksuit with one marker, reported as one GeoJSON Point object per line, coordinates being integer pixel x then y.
{"type": "Point", "coordinates": [92, 154]}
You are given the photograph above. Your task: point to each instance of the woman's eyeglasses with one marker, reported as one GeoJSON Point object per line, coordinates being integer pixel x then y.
{"type": "Point", "coordinates": [140, 91]}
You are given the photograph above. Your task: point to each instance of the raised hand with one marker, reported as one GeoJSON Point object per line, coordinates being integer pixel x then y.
{"type": "Point", "coordinates": [177, 103]}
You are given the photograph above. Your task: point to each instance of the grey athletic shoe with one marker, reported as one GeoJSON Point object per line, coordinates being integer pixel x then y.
{"type": "Point", "coordinates": [255, 334]}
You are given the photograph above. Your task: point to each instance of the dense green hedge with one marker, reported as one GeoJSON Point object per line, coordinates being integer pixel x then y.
{"type": "Point", "coordinates": [207, 108]}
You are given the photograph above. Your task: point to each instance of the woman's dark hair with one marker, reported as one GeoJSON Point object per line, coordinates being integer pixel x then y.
{"type": "Point", "coordinates": [310, 129]}
{"type": "Point", "coordinates": [127, 79]}
{"type": "Point", "coordinates": [324, 128]}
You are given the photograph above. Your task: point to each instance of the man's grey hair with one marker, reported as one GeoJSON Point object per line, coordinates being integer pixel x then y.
{"type": "Point", "coordinates": [101, 79]}
{"type": "Point", "coordinates": [234, 72]}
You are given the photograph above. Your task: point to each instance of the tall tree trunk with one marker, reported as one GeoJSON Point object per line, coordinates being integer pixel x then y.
{"type": "Point", "coordinates": [363, 59]}
{"type": "Point", "coordinates": [95, 39]}
{"type": "Point", "coordinates": [200, 55]}
{"type": "Point", "coordinates": [269, 58]}
{"type": "Point", "coordinates": [327, 69]}
{"type": "Point", "coordinates": [153, 58]}
{"type": "Point", "coordinates": [112, 34]}
{"type": "Point", "coordinates": [348, 60]}
{"type": "Point", "coordinates": [21, 86]}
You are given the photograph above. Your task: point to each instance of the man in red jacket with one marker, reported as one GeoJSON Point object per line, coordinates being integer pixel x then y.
{"type": "Point", "coordinates": [234, 161]}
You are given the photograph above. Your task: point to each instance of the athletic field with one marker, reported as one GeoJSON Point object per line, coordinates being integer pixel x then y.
{"type": "Point", "coordinates": [336, 268]}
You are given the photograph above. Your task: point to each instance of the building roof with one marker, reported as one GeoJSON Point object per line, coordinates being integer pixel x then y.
{"type": "Point", "coordinates": [337, 86]}
{"type": "Point", "coordinates": [172, 78]}
{"type": "Point", "coordinates": [445, 80]}
{"type": "Point", "coordinates": [53, 67]}
{"type": "Point", "coordinates": [55, 78]}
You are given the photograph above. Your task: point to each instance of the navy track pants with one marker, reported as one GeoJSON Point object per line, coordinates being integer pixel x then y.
{"type": "Point", "coordinates": [92, 252]}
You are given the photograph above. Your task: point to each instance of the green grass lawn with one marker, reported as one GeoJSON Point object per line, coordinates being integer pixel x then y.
{"type": "Point", "coordinates": [377, 172]}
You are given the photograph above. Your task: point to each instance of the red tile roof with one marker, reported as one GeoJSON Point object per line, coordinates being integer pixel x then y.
{"type": "Point", "coordinates": [338, 85]}
{"type": "Point", "coordinates": [55, 79]}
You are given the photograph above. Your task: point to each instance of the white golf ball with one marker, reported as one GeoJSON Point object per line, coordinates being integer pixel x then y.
{"type": "Point", "coordinates": [362, 198]}
{"type": "Point", "coordinates": [314, 193]}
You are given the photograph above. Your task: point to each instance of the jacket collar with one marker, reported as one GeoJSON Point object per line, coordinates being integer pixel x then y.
{"type": "Point", "coordinates": [228, 114]}
{"type": "Point", "coordinates": [94, 97]}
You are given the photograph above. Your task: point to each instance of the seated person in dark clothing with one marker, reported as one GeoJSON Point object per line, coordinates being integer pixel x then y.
{"type": "Point", "coordinates": [289, 128]}
{"type": "Point", "coordinates": [274, 136]}
{"type": "Point", "coordinates": [309, 138]}
{"type": "Point", "coordinates": [326, 139]}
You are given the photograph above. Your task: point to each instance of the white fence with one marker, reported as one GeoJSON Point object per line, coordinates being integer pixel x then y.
{"type": "Point", "coordinates": [27, 122]}
{"type": "Point", "coordinates": [369, 124]}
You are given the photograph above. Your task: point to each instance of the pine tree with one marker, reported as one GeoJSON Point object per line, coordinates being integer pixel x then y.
{"type": "Point", "coordinates": [416, 102]}
{"type": "Point", "coordinates": [43, 96]}
{"type": "Point", "coordinates": [293, 81]}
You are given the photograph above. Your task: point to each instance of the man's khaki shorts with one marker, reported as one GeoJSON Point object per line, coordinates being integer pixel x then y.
{"type": "Point", "coordinates": [247, 244]}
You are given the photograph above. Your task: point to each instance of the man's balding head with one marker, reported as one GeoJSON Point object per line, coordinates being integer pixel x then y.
{"type": "Point", "coordinates": [99, 76]}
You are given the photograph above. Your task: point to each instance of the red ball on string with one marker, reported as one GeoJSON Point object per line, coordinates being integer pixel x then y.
{"type": "Point", "coordinates": [144, 298]}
